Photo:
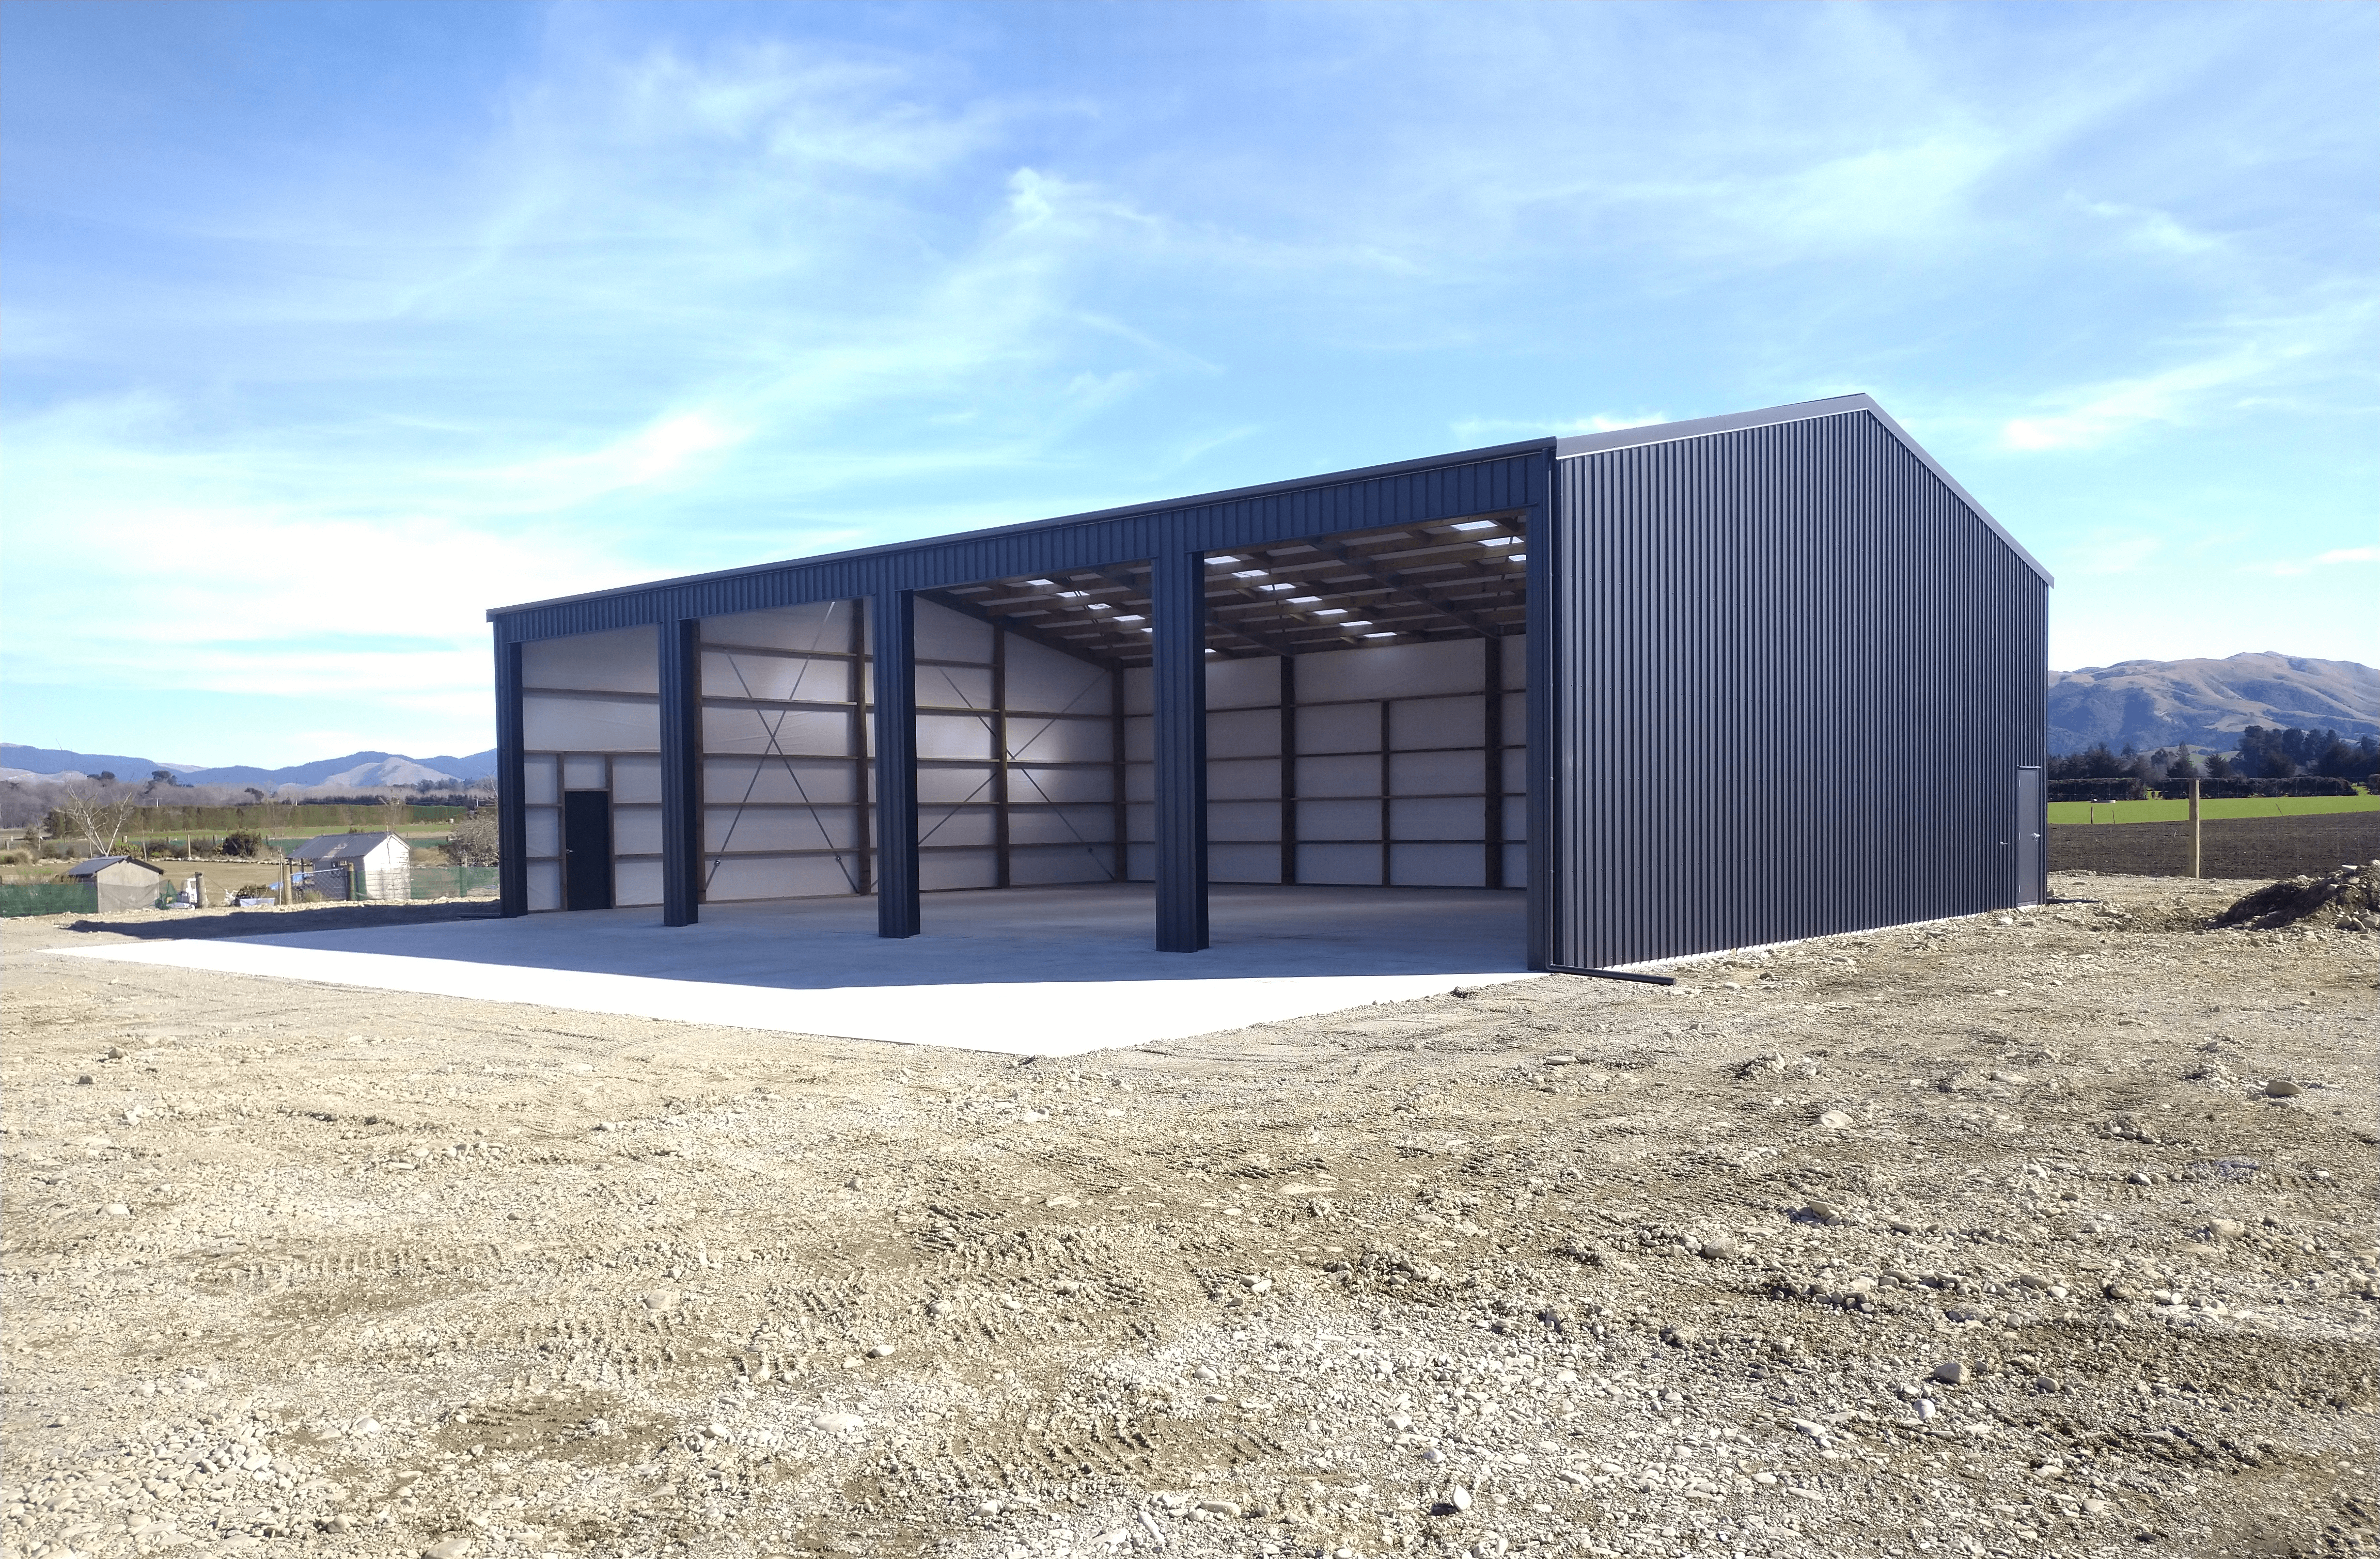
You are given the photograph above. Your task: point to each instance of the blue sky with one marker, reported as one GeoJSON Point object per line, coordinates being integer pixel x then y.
{"type": "Point", "coordinates": [327, 326]}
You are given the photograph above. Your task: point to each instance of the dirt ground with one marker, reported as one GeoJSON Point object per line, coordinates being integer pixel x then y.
{"type": "Point", "coordinates": [2039, 1234]}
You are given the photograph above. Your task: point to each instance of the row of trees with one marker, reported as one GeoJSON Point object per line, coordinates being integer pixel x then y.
{"type": "Point", "coordinates": [25, 804]}
{"type": "Point", "coordinates": [105, 814]}
{"type": "Point", "coordinates": [109, 819]}
{"type": "Point", "coordinates": [2263, 754]}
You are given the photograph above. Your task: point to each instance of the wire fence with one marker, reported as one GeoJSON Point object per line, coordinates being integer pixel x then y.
{"type": "Point", "coordinates": [453, 882]}
{"type": "Point", "coordinates": [48, 898]}
{"type": "Point", "coordinates": [334, 884]}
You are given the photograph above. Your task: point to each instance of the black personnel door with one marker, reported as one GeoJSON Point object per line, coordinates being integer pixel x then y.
{"type": "Point", "coordinates": [586, 850]}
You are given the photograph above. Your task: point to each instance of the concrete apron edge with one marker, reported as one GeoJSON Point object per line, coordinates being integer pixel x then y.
{"type": "Point", "coordinates": [1038, 1018]}
{"type": "Point", "coordinates": [1684, 960]}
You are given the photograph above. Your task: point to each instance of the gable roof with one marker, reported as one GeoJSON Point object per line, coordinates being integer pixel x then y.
{"type": "Point", "coordinates": [1798, 411]}
{"type": "Point", "coordinates": [1562, 448]}
{"type": "Point", "coordinates": [99, 864]}
{"type": "Point", "coordinates": [342, 847]}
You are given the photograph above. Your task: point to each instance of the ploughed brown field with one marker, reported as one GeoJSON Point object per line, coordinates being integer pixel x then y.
{"type": "Point", "coordinates": [2256, 849]}
{"type": "Point", "coordinates": [2045, 1232]}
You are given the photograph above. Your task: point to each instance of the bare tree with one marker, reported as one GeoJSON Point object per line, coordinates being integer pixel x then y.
{"type": "Point", "coordinates": [473, 842]}
{"type": "Point", "coordinates": [99, 812]}
{"type": "Point", "coordinates": [395, 812]}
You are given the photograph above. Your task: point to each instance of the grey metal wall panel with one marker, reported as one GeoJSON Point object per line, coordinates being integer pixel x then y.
{"type": "Point", "coordinates": [1787, 677]}
{"type": "Point", "coordinates": [512, 785]}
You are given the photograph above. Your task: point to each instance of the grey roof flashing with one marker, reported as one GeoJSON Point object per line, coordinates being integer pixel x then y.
{"type": "Point", "coordinates": [1799, 411]}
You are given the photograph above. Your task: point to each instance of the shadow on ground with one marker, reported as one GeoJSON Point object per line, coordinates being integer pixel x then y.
{"type": "Point", "coordinates": [182, 926]}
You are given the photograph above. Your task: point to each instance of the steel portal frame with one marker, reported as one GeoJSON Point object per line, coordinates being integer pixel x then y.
{"type": "Point", "coordinates": [1570, 497]}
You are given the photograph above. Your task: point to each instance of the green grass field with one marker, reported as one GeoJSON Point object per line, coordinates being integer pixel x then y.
{"type": "Point", "coordinates": [2178, 811]}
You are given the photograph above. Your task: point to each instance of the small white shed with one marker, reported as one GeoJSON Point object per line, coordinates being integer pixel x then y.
{"type": "Point", "coordinates": [380, 865]}
{"type": "Point", "coordinates": [123, 882]}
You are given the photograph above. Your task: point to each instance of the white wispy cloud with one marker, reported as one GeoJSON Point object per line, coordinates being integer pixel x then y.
{"type": "Point", "coordinates": [2298, 567]}
{"type": "Point", "coordinates": [2152, 229]}
{"type": "Point", "coordinates": [2107, 411]}
{"type": "Point", "coordinates": [2270, 360]}
{"type": "Point", "coordinates": [2112, 555]}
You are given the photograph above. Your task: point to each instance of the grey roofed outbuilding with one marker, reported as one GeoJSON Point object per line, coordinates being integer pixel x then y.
{"type": "Point", "coordinates": [1803, 592]}
{"type": "Point", "coordinates": [118, 882]}
{"type": "Point", "coordinates": [342, 847]}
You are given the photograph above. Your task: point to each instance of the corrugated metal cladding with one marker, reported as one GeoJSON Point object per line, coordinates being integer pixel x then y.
{"type": "Point", "coordinates": [1790, 677]}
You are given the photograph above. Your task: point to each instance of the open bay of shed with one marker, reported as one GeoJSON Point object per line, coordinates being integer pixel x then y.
{"type": "Point", "coordinates": [1398, 766]}
{"type": "Point", "coordinates": [1054, 970]}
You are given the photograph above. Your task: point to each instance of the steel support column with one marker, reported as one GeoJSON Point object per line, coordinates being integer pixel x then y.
{"type": "Point", "coordinates": [511, 780]}
{"type": "Point", "coordinates": [1554, 660]}
{"type": "Point", "coordinates": [681, 679]}
{"type": "Point", "coordinates": [1492, 779]}
{"type": "Point", "coordinates": [1177, 590]}
{"type": "Point", "coordinates": [892, 619]}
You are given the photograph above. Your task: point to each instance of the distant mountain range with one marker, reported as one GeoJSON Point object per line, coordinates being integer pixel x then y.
{"type": "Point", "coordinates": [2152, 704]}
{"type": "Point", "coordinates": [360, 769]}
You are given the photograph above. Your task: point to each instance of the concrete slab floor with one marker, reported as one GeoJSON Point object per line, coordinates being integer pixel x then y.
{"type": "Point", "coordinates": [1024, 971]}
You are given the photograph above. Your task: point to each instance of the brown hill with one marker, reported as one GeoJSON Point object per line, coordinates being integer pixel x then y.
{"type": "Point", "coordinates": [2152, 704]}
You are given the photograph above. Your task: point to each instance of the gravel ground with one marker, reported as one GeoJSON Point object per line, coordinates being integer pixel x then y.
{"type": "Point", "coordinates": [2041, 1234]}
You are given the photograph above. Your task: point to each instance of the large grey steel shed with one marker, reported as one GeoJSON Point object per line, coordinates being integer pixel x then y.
{"type": "Point", "coordinates": [1526, 667]}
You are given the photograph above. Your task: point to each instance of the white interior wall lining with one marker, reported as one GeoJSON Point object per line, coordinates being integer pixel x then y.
{"type": "Point", "coordinates": [1387, 778]}
{"type": "Point", "coordinates": [1016, 761]}
{"type": "Point", "coordinates": [786, 787]}
{"type": "Point", "coordinates": [591, 721]}
{"type": "Point", "coordinates": [1384, 760]}
{"type": "Point", "coordinates": [788, 790]}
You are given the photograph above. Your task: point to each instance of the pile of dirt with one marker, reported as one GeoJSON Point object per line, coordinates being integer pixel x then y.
{"type": "Point", "coordinates": [2347, 900]}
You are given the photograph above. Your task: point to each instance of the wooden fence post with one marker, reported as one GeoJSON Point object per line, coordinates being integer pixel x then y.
{"type": "Point", "coordinates": [2195, 857]}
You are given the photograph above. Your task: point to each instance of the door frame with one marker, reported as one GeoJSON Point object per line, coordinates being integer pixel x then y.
{"type": "Point", "coordinates": [570, 875]}
{"type": "Point", "coordinates": [2032, 835]}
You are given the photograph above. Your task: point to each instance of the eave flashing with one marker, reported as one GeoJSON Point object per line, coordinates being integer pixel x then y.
{"type": "Point", "coordinates": [1799, 411]}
